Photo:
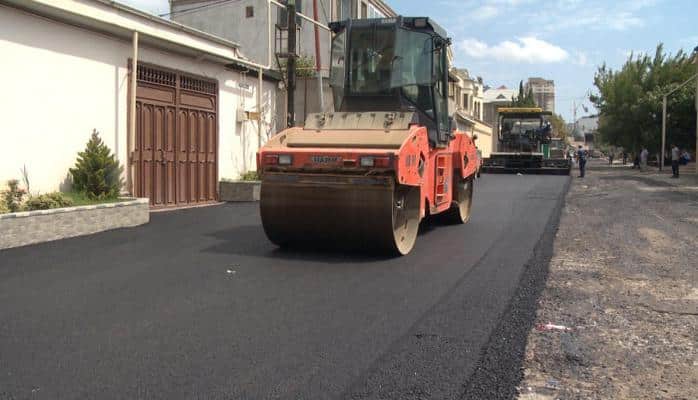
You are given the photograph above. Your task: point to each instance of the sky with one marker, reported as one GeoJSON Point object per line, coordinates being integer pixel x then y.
{"type": "Point", "coordinates": [505, 41]}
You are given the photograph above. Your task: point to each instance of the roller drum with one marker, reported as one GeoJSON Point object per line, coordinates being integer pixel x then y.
{"type": "Point", "coordinates": [337, 211]}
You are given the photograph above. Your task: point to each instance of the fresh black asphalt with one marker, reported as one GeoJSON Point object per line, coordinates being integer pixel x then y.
{"type": "Point", "coordinates": [199, 305]}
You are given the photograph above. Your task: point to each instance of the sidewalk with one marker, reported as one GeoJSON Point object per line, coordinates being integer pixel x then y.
{"type": "Point", "coordinates": [624, 280]}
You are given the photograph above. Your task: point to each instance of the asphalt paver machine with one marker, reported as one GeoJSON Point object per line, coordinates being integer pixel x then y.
{"type": "Point", "coordinates": [526, 144]}
{"type": "Point", "coordinates": [365, 175]}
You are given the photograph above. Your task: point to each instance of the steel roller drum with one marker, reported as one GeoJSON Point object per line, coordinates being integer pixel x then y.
{"type": "Point", "coordinates": [369, 213]}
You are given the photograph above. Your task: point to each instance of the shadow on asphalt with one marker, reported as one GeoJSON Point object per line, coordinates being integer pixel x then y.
{"type": "Point", "coordinates": [251, 241]}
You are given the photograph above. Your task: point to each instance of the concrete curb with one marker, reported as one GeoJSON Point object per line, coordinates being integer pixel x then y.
{"type": "Point", "coordinates": [31, 227]}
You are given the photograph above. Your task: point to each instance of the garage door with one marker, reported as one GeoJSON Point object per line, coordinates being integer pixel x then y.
{"type": "Point", "coordinates": [176, 142]}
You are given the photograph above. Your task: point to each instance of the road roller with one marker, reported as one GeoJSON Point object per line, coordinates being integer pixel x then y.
{"type": "Point", "coordinates": [364, 175]}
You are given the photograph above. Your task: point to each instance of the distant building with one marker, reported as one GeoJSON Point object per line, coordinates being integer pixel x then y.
{"type": "Point", "coordinates": [584, 130]}
{"type": "Point", "coordinates": [493, 99]}
{"type": "Point", "coordinates": [466, 101]}
{"type": "Point", "coordinates": [543, 92]}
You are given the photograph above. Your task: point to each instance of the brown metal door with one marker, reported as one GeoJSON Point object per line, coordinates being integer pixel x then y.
{"type": "Point", "coordinates": [176, 138]}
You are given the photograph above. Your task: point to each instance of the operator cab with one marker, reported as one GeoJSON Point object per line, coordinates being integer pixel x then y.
{"type": "Point", "coordinates": [523, 129]}
{"type": "Point", "coordinates": [393, 64]}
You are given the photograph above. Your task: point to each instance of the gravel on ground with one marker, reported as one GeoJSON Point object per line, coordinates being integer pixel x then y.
{"type": "Point", "coordinates": [618, 318]}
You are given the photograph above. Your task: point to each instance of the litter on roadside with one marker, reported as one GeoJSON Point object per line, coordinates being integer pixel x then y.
{"type": "Point", "coordinates": [552, 384]}
{"type": "Point", "coordinates": [552, 327]}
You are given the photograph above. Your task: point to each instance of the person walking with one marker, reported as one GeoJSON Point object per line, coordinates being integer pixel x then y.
{"type": "Point", "coordinates": [675, 155]}
{"type": "Point", "coordinates": [625, 157]}
{"type": "Point", "coordinates": [581, 160]}
{"type": "Point", "coordinates": [643, 159]}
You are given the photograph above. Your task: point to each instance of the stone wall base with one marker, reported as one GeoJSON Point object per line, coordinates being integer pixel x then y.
{"type": "Point", "coordinates": [30, 227]}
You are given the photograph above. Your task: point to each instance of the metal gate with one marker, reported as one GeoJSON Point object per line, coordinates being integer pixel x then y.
{"type": "Point", "coordinates": [176, 142]}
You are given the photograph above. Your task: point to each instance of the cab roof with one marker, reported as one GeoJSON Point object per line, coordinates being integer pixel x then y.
{"type": "Point", "coordinates": [416, 23]}
{"type": "Point", "coordinates": [523, 110]}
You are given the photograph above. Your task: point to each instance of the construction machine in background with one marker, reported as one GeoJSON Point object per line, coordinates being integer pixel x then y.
{"type": "Point", "coordinates": [365, 175]}
{"type": "Point", "coordinates": [526, 144]}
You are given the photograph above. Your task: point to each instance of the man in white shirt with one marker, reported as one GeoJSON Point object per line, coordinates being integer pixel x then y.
{"type": "Point", "coordinates": [643, 159]}
{"type": "Point", "coordinates": [675, 155]}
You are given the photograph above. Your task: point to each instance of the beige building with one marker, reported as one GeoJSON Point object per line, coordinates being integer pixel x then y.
{"type": "Point", "coordinates": [543, 92]}
{"type": "Point", "coordinates": [67, 68]}
{"type": "Point", "coordinates": [466, 100]}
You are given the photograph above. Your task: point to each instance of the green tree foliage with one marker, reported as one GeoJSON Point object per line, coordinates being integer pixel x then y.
{"type": "Point", "coordinates": [305, 67]}
{"type": "Point", "coordinates": [524, 98]}
{"type": "Point", "coordinates": [559, 126]}
{"type": "Point", "coordinates": [97, 173]}
{"type": "Point", "coordinates": [630, 101]}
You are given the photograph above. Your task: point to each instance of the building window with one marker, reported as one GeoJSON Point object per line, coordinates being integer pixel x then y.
{"type": "Point", "coordinates": [465, 102]}
{"type": "Point", "coordinates": [249, 11]}
{"type": "Point", "coordinates": [364, 10]}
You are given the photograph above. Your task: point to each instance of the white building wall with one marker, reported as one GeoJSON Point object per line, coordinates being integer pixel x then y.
{"type": "Point", "coordinates": [61, 82]}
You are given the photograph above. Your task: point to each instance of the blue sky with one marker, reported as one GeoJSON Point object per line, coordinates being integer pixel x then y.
{"type": "Point", "coordinates": [505, 41]}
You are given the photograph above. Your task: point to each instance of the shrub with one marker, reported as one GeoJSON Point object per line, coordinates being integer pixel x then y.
{"type": "Point", "coordinates": [11, 199]}
{"type": "Point", "coordinates": [97, 173]}
{"type": "Point", "coordinates": [249, 176]}
{"type": "Point", "coordinates": [48, 201]}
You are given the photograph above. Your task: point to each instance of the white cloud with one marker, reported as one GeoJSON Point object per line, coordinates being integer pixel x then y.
{"type": "Point", "coordinates": [619, 15]}
{"type": "Point", "coordinates": [525, 49]}
{"type": "Point", "coordinates": [485, 12]}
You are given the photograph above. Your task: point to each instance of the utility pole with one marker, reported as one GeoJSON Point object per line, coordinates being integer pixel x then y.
{"type": "Point", "coordinates": [318, 61]}
{"type": "Point", "coordinates": [574, 118]}
{"type": "Point", "coordinates": [661, 153]}
{"type": "Point", "coordinates": [291, 63]}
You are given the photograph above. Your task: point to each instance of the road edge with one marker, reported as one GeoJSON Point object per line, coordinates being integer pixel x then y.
{"type": "Point", "coordinates": [499, 369]}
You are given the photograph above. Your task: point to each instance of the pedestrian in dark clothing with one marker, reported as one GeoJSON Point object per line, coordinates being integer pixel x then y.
{"type": "Point", "coordinates": [625, 157]}
{"type": "Point", "coordinates": [675, 155]}
{"type": "Point", "coordinates": [582, 160]}
{"type": "Point", "coordinates": [636, 161]}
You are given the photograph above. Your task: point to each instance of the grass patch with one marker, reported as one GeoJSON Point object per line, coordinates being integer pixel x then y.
{"type": "Point", "coordinates": [81, 199]}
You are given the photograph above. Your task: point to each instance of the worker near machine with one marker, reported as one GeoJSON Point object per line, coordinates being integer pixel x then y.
{"type": "Point", "coordinates": [643, 159]}
{"type": "Point", "coordinates": [675, 155]}
{"type": "Point", "coordinates": [581, 160]}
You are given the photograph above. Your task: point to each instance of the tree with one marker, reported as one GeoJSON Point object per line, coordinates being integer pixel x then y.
{"type": "Point", "coordinates": [523, 99]}
{"type": "Point", "coordinates": [97, 173]}
{"type": "Point", "coordinates": [559, 126]}
{"type": "Point", "coordinates": [630, 101]}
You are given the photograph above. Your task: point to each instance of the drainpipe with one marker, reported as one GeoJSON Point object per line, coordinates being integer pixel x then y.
{"type": "Point", "coordinates": [132, 113]}
{"type": "Point", "coordinates": [259, 108]}
{"type": "Point", "coordinates": [318, 61]}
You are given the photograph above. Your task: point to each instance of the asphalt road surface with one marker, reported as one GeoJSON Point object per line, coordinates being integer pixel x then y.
{"type": "Point", "coordinates": [199, 305]}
